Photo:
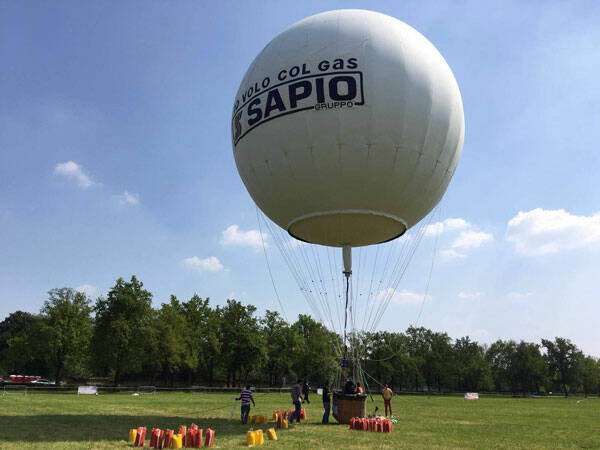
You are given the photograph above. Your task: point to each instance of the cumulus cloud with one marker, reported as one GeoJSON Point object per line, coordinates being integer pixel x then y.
{"type": "Point", "coordinates": [468, 237]}
{"type": "Point", "coordinates": [74, 172]}
{"type": "Point", "coordinates": [251, 238]}
{"type": "Point", "coordinates": [471, 239]}
{"type": "Point", "coordinates": [210, 264]}
{"type": "Point", "coordinates": [543, 232]}
{"type": "Point", "coordinates": [519, 295]}
{"type": "Point", "coordinates": [128, 198]}
{"type": "Point", "coordinates": [470, 295]}
{"type": "Point", "coordinates": [450, 224]}
{"type": "Point", "coordinates": [88, 289]}
{"type": "Point", "coordinates": [403, 297]}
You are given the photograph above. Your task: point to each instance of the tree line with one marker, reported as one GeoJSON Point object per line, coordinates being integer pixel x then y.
{"type": "Point", "coordinates": [120, 336]}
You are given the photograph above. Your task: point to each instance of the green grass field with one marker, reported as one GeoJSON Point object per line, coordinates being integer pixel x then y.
{"type": "Point", "coordinates": [53, 421]}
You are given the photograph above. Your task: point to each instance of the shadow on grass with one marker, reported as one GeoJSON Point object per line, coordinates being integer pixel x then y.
{"type": "Point", "coordinates": [104, 427]}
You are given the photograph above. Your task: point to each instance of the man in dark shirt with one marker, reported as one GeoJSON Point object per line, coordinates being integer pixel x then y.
{"type": "Point", "coordinates": [305, 389]}
{"type": "Point", "coordinates": [350, 387]}
{"type": "Point", "coordinates": [326, 402]}
{"type": "Point", "coordinates": [296, 399]}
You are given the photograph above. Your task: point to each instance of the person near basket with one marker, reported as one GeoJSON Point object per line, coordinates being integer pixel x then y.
{"type": "Point", "coordinates": [296, 400]}
{"type": "Point", "coordinates": [305, 390]}
{"type": "Point", "coordinates": [246, 397]}
{"type": "Point", "coordinates": [387, 394]}
{"type": "Point", "coordinates": [326, 402]}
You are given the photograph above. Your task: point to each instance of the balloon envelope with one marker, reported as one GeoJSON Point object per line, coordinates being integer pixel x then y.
{"type": "Point", "coordinates": [347, 128]}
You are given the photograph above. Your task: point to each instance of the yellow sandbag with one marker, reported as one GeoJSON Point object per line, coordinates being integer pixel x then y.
{"type": "Point", "coordinates": [132, 435]}
{"type": "Point", "coordinates": [271, 434]}
{"type": "Point", "coordinates": [261, 437]}
{"type": "Point", "coordinates": [264, 420]}
{"type": "Point", "coordinates": [284, 423]}
{"type": "Point", "coordinates": [250, 437]}
{"type": "Point", "coordinates": [177, 441]}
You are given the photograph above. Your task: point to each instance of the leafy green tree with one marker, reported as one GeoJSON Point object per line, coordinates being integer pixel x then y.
{"type": "Point", "coordinates": [242, 341]}
{"type": "Point", "coordinates": [590, 375]}
{"type": "Point", "coordinates": [564, 363]}
{"type": "Point", "coordinates": [67, 328]}
{"type": "Point", "coordinates": [471, 368]}
{"type": "Point", "coordinates": [122, 328]}
{"type": "Point", "coordinates": [202, 338]}
{"type": "Point", "coordinates": [528, 367]}
{"type": "Point", "coordinates": [12, 326]}
{"type": "Point", "coordinates": [279, 338]}
{"type": "Point", "coordinates": [169, 349]}
{"type": "Point", "coordinates": [315, 356]}
{"type": "Point", "coordinates": [27, 348]}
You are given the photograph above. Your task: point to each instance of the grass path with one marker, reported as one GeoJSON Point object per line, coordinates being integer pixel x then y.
{"type": "Point", "coordinates": [65, 421]}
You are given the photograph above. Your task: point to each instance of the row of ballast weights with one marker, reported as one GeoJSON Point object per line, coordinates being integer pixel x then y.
{"type": "Point", "coordinates": [380, 424]}
{"type": "Point", "coordinates": [187, 437]}
{"type": "Point", "coordinates": [256, 437]}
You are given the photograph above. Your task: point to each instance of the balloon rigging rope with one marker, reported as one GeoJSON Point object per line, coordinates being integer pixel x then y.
{"type": "Point", "coordinates": [262, 240]}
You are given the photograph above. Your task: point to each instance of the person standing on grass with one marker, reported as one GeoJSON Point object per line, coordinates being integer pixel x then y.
{"type": "Point", "coordinates": [387, 394]}
{"type": "Point", "coordinates": [326, 403]}
{"type": "Point", "coordinates": [246, 397]}
{"type": "Point", "coordinates": [305, 389]}
{"type": "Point", "coordinates": [296, 400]}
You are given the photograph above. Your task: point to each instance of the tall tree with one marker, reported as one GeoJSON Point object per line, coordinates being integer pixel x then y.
{"type": "Point", "coordinates": [590, 375]}
{"type": "Point", "coordinates": [279, 338]}
{"type": "Point", "coordinates": [122, 328]}
{"type": "Point", "coordinates": [315, 355]}
{"type": "Point", "coordinates": [564, 363]}
{"type": "Point", "coordinates": [243, 346]}
{"type": "Point", "coordinates": [68, 329]}
{"type": "Point", "coordinates": [168, 334]}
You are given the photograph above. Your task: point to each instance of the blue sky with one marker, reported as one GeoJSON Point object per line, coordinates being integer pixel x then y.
{"type": "Point", "coordinates": [115, 159]}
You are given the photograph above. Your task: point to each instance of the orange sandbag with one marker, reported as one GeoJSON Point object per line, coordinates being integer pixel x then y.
{"type": "Point", "coordinates": [182, 431]}
{"type": "Point", "coordinates": [209, 437]}
{"type": "Point", "coordinates": [140, 437]}
{"type": "Point", "coordinates": [161, 437]}
{"type": "Point", "coordinates": [168, 439]}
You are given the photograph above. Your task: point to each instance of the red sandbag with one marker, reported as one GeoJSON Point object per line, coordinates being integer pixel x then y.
{"type": "Point", "coordinates": [168, 439]}
{"type": "Point", "coordinates": [209, 438]}
{"type": "Point", "coordinates": [352, 423]}
{"type": "Point", "coordinates": [193, 426]}
{"type": "Point", "coordinates": [140, 437]}
{"type": "Point", "coordinates": [279, 421]}
{"type": "Point", "coordinates": [155, 438]}
{"type": "Point", "coordinates": [379, 426]}
{"type": "Point", "coordinates": [161, 437]}
{"type": "Point", "coordinates": [303, 414]}
{"type": "Point", "coordinates": [182, 432]}
{"type": "Point", "coordinates": [198, 438]}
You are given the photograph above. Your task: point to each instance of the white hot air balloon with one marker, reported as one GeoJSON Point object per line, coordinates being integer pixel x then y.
{"type": "Point", "coordinates": [347, 128]}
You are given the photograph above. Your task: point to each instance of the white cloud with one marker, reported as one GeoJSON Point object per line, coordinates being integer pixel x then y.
{"type": "Point", "coordinates": [450, 224]}
{"type": "Point", "coordinates": [471, 239]}
{"type": "Point", "coordinates": [74, 171]}
{"type": "Point", "coordinates": [519, 295]}
{"type": "Point", "coordinates": [452, 254]}
{"type": "Point", "coordinates": [88, 289]}
{"type": "Point", "coordinates": [128, 198]}
{"type": "Point", "coordinates": [251, 238]}
{"type": "Point", "coordinates": [543, 232]}
{"type": "Point", "coordinates": [481, 333]}
{"type": "Point", "coordinates": [403, 297]}
{"type": "Point", "coordinates": [470, 295]}
{"type": "Point", "coordinates": [210, 264]}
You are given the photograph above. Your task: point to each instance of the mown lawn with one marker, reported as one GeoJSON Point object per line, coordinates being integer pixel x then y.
{"type": "Point", "coordinates": [57, 421]}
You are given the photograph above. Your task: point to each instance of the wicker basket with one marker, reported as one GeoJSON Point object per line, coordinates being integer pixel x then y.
{"type": "Point", "coordinates": [347, 406]}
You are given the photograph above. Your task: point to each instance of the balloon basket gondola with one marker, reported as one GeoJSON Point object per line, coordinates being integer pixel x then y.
{"type": "Point", "coordinates": [347, 406]}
